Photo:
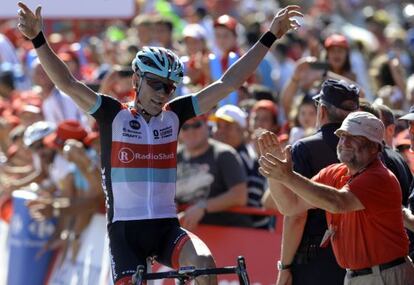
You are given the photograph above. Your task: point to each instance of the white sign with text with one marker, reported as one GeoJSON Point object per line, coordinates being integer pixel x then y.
{"type": "Point", "coordinates": [74, 9]}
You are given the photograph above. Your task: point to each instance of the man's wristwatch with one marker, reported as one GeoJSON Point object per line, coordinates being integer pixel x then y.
{"type": "Point", "coordinates": [281, 266]}
{"type": "Point", "coordinates": [202, 204]}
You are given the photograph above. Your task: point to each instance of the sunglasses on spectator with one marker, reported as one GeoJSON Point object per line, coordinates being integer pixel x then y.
{"type": "Point", "coordinates": [158, 85]}
{"type": "Point", "coordinates": [194, 125]}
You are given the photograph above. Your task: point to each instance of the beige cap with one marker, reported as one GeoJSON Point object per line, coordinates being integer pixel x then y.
{"type": "Point", "coordinates": [363, 124]}
{"type": "Point", "coordinates": [232, 114]}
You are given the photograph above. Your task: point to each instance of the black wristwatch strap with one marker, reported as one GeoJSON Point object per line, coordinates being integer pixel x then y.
{"type": "Point", "coordinates": [281, 266]}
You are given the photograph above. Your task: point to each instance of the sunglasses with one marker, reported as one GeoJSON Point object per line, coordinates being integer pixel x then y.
{"type": "Point", "coordinates": [158, 85]}
{"type": "Point", "coordinates": [194, 125]}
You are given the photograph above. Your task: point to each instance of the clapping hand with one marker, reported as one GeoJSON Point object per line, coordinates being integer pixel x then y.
{"type": "Point", "coordinates": [30, 24]}
{"type": "Point", "coordinates": [274, 162]}
{"type": "Point", "coordinates": [284, 21]}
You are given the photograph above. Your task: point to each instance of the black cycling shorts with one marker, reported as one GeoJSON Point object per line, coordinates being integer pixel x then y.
{"type": "Point", "coordinates": [131, 242]}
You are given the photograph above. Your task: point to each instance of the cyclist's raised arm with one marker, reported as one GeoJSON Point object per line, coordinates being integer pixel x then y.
{"type": "Point", "coordinates": [234, 77]}
{"type": "Point", "coordinates": [30, 25]}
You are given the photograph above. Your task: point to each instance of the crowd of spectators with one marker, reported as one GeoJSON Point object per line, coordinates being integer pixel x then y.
{"type": "Point", "coordinates": [48, 144]}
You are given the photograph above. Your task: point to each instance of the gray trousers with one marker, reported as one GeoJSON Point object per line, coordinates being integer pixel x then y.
{"type": "Point", "coordinates": [402, 274]}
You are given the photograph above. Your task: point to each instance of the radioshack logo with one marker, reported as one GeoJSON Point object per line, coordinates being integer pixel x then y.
{"type": "Point", "coordinates": [126, 155]}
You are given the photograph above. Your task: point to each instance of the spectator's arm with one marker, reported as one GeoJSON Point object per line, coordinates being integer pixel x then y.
{"type": "Point", "coordinates": [408, 219]}
{"type": "Point", "coordinates": [293, 227]}
{"type": "Point", "coordinates": [267, 201]}
{"type": "Point", "coordinates": [313, 193]}
{"type": "Point", "coordinates": [235, 196]}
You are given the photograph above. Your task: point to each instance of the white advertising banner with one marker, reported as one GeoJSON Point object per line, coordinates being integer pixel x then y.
{"type": "Point", "coordinates": [73, 9]}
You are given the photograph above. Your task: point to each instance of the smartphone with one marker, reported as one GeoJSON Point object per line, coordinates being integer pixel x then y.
{"type": "Point", "coordinates": [319, 65]}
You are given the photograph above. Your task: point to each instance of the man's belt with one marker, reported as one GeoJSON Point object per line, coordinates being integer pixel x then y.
{"type": "Point", "coordinates": [366, 271]}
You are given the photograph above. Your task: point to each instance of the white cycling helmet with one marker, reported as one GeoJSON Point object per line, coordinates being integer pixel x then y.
{"type": "Point", "coordinates": [37, 131]}
{"type": "Point", "coordinates": [159, 61]}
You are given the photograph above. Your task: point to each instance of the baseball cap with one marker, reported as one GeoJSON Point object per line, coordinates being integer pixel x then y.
{"type": "Point", "coordinates": [337, 92]}
{"type": "Point", "coordinates": [68, 129]}
{"type": "Point", "coordinates": [232, 114]}
{"type": "Point", "coordinates": [409, 116]}
{"type": "Point", "coordinates": [363, 124]}
{"type": "Point", "coordinates": [226, 21]}
{"type": "Point", "coordinates": [267, 105]}
{"type": "Point", "coordinates": [37, 131]}
{"type": "Point", "coordinates": [336, 40]}
{"type": "Point", "coordinates": [195, 31]}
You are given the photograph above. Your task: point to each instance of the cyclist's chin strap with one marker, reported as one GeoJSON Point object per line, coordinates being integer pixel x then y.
{"type": "Point", "coordinates": [137, 92]}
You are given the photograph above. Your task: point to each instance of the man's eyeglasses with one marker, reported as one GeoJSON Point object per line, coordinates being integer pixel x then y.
{"type": "Point", "coordinates": [158, 85]}
{"type": "Point", "coordinates": [194, 125]}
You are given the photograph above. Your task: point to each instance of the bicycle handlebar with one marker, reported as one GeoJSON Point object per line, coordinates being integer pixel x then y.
{"type": "Point", "coordinates": [193, 273]}
{"type": "Point", "coordinates": [187, 273]}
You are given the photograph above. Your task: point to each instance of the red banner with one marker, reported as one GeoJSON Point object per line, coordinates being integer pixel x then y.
{"type": "Point", "coordinates": [260, 248]}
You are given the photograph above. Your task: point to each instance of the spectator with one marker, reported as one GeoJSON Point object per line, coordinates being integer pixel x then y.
{"type": "Point", "coordinates": [357, 222]}
{"type": "Point", "coordinates": [409, 211]}
{"type": "Point", "coordinates": [392, 159]}
{"type": "Point", "coordinates": [210, 177]}
{"type": "Point", "coordinates": [163, 34]}
{"type": "Point", "coordinates": [225, 33]}
{"type": "Point", "coordinates": [196, 60]}
{"type": "Point", "coordinates": [144, 29]}
{"type": "Point", "coordinates": [311, 71]}
{"type": "Point", "coordinates": [56, 106]}
{"type": "Point", "coordinates": [388, 119]}
{"type": "Point", "coordinates": [263, 115]}
{"type": "Point", "coordinates": [303, 233]}
{"type": "Point", "coordinates": [303, 119]}
{"type": "Point", "coordinates": [230, 128]}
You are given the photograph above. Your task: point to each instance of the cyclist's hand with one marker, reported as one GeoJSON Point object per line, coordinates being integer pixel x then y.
{"type": "Point", "coordinates": [30, 24]}
{"type": "Point", "coordinates": [191, 217]}
{"type": "Point", "coordinates": [284, 277]}
{"type": "Point", "coordinates": [284, 21]}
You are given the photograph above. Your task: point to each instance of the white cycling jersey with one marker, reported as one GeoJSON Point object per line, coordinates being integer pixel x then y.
{"type": "Point", "coordinates": [139, 158]}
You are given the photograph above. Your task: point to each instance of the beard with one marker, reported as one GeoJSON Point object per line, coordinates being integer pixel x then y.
{"type": "Point", "coordinates": [352, 158]}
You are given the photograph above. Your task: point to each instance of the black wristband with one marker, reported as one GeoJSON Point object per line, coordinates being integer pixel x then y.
{"type": "Point", "coordinates": [39, 40]}
{"type": "Point", "coordinates": [267, 39]}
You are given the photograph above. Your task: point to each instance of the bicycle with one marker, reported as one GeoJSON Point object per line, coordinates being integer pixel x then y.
{"type": "Point", "coordinates": [188, 273]}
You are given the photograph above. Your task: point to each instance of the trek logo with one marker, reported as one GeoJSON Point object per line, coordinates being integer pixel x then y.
{"type": "Point", "coordinates": [127, 155]}
{"type": "Point", "coordinates": [135, 125]}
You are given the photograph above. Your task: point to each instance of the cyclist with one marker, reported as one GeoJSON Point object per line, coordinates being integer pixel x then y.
{"type": "Point", "coordinates": [138, 145]}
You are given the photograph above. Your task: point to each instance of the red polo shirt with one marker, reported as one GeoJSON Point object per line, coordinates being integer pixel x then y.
{"type": "Point", "coordinates": [376, 234]}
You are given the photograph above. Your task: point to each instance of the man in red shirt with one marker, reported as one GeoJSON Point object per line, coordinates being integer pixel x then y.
{"type": "Point", "coordinates": [361, 196]}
